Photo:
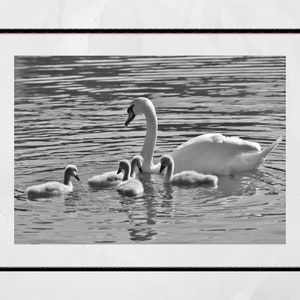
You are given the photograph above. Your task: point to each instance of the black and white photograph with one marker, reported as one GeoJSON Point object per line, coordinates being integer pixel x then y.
{"type": "Point", "coordinates": [150, 149]}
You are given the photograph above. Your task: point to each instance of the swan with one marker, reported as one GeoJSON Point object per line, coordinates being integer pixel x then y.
{"type": "Point", "coordinates": [112, 178]}
{"type": "Point", "coordinates": [53, 188]}
{"type": "Point", "coordinates": [184, 177]}
{"type": "Point", "coordinates": [211, 153]}
{"type": "Point", "coordinates": [129, 186]}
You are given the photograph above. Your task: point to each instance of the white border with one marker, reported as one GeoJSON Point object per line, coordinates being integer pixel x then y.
{"type": "Point", "coordinates": [148, 255]}
{"type": "Point", "coordinates": [149, 14]}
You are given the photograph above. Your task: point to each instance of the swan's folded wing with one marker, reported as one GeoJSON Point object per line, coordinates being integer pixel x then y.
{"type": "Point", "coordinates": [237, 145]}
{"type": "Point", "coordinates": [218, 142]}
{"type": "Point", "coordinates": [52, 187]}
{"type": "Point", "coordinates": [112, 177]}
{"type": "Point", "coordinates": [209, 152]}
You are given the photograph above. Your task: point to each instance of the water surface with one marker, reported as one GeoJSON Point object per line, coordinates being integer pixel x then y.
{"type": "Point", "coordinates": [71, 110]}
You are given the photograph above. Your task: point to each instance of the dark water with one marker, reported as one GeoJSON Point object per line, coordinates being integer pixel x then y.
{"type": "Point", "coordinates": [71, 110]}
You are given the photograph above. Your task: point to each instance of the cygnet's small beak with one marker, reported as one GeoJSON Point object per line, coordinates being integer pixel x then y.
{"type": "Point", "coordinates": [140, 169]}
{"type": "Point", "coordinates": [162, 167]}
{"type": "Point", "coordinates": [77, 177]}
{"type": "Point", "coordinates": [119, 171]}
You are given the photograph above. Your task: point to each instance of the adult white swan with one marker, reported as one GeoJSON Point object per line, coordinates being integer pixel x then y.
{"type": "Point", "coordinates": [211, 153]}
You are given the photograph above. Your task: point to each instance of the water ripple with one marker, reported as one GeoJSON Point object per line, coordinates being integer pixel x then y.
{"type": "Point", "coordinates": [73, 109]}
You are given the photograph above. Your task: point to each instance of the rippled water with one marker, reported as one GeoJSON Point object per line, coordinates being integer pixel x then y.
{"type": "Point", "coordinates": [71, 110]}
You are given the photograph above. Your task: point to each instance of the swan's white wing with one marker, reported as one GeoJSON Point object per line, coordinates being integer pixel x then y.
{"type": "Point", "coordinates": [54, 187]}
{"type": "Point", "coordinates": [110, 176]}
{"type": "Point", "coordinates": [233, 145]}
{"type": "Point", "coordinates": [211, 153]}
{"type": "Point", "coordinates": [105, 180]}
{"type": "Point", "coordinates": [51, 188]}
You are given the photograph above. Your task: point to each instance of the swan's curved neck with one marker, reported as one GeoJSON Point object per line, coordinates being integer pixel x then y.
{"type": "Point", "coordinates": [150, 139]}
{"type": "Point", "coordinates": [126, 173]}
{"type": "Point", "coordinates": [67, 179]}
{"type": "Point", "coordinates": [132, 173]}
{"type": "Point", "coordinates": [169, 172]}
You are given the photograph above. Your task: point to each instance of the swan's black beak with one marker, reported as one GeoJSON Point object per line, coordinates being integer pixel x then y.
{"type": "Point", "coordinates": [162, 167]}
{"type": "Point", "coordinates": [131, 115]}
{"type": "Point", "coordinates": [119, 171]}
{"type": "Point", "coordinates": [140, 169]}
{"type": "Point", "coordinates": [77, 177]}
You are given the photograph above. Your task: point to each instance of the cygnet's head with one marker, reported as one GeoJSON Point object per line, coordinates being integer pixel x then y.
{"type": "Point", "coordinates": [72, 170]}
{"type": "Point", "coordinates": [138, 106]}
{"type": "Point", "coordinates": [124, 165]}
{"type": "Point", "coordinates": [165, 161]}
{"type": "Point", "coordinates": [137, 162]}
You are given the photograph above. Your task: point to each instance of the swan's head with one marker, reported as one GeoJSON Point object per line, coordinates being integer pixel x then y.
{"type": "Point", "coordinates": [137, 162]}
{"type": "Point", "coordinates": [124, 165]}
{"type": "Point", "coordinates": [165, 161]}
{"type": "Point", "coordinates": [137, 106]}
{"type": "Point", "coordinates": [72, 170]}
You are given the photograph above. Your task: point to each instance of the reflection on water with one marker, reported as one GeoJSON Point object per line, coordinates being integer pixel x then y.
{"type": "Point", "coordinates": [71, 110]}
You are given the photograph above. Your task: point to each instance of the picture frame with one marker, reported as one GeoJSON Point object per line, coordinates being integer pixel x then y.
{"type": "Point", "coordinates": [82, 271]}
{"type": "Point", "coordinates": [261, 35]}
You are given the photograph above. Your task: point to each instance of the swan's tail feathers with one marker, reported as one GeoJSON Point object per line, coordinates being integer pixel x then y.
{"type": "Point", "coordinates": [256, 159]}
{"type": "Point", "coordinates": [266, 151]}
